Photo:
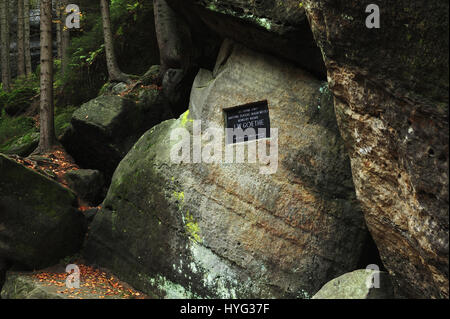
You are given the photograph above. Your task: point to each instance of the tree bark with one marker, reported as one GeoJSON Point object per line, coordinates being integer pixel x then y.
{"type": "Point", "coordinates": [20, 39]}
{"type": "Point", "coordinates": [4, 25]}
{"type": "Point", "coordinates": [47, 138]}
{"type": "Point", "coordinates": [26, 28]}
{"type": "Point", "coordinates": [59, 27]}
{"type": "Point", "coordinates": [113, 69]}
{"type": "Point", "coordinates": [174, 39]}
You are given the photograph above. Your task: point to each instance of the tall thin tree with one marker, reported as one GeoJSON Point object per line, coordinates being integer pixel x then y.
{"type": "Point", "coordinates": [47, 138]}
{"type": "Point", "coordinates": [59, 27]}
{"type": "Point", "coordinates": [20, 39]}
{"type": "Point", "coordinates": [26, 29]}
{"type": "Point", "coordinates": [5, 44]}
{"type": "Point", "coordinates": [113, 68]}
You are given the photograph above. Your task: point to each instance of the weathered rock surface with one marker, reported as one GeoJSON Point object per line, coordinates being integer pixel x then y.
{"type": "Point", "coordinates": [358, 284]}
{"type": "Point", "coordinates": [88, 184]}
{"type": "Point", "coordinates": [39, 223]}
{"type": "Point", "coordinates": [391, 98]}
{"type": "Point", "coordinates": [21, 286]}
{"type": "Point", "coordinates": [23, 146]}
{"type": "Point", "coordinates": [225, 230]}
{"type": "Point", "coordinates": [150, 77]}
{"type": "Point", "coordinates": [27, 285]}
{"type": "Point", "coordinates": [277, 27]}
{"type": "Point", "coordinates": [105, 128]}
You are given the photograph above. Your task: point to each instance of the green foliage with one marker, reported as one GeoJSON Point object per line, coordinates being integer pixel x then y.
{"type": "Point", "coordinates": [20, 97]}
{"type": "Point", "coordinates": [18, 100]}
{"type": "Point", "coordinates": [135, 47]}
{"type": "Point", "coordinates": [21, 130]}
{"type": "Point", "coordinates": [70, 259]}
{"type": "Point", "coordinates": [14, 127]}
{"type": "Point", "coordinates": [63, 115]}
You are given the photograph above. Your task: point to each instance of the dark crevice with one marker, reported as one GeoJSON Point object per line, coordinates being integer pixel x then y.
{"type": "Point", "coordinates": [4, 267]}
{"type": "Point", "coordinates": [370, 255]}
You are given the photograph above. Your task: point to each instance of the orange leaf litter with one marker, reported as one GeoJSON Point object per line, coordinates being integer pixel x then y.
{"type": "Point", "coordinates": [93, 282]}
{"type": "Point", "coordinates": [58, 162]}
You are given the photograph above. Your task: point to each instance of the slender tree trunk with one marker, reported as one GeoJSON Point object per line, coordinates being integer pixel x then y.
{"type": "Point", "coordinates": [47, 138]}
{"type": "Point", "coordinates": [59, 27]}
{"type": "Point", "coordinates": [65, 37]}
{"type": "Point", "coordinates": [4, 25]}
{"type": "Point", "coordinates": [20, 39]}
{"type": "Point", "coordinates": [113, 69]}
{"type": "Point", "coordinates": [26, 28]}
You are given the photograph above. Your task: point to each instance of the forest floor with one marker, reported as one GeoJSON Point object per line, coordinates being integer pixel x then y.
{"type": "Point", "coordinates": [54, 165]}
{"type": "Point", "coordinates": [95, 283]}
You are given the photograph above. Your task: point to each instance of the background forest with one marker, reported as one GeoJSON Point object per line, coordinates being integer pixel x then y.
{"type": "Point", "coordinates": [86, 71]}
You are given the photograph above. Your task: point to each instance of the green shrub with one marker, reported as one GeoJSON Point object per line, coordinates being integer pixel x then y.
{"type": "Point", "coordinates": [13, 127]}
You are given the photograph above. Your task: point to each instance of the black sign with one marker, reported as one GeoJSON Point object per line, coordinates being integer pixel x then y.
{"type": "Point", "coordinates": [247, 122]}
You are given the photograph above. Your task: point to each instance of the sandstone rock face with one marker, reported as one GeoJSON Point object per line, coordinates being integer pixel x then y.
{"type": "Point", "coordinates": [39, 223]}
{"type": "Point", "coordinates": [105, 128]}
{"type": "Point", "coordinates": [23, 146]}
{"type": "Point", "coordinates": [28, 285]}
{"type": "Point", "coordinates": [226, 230]}
{"type": "Point", "coordinates": [19, 286]}
{"type": "Point", "coordinates": [277, 27]}
{"type": "Point", "coordinates": [391, 98]}
{"type": "Point", "coordinates": [358, 284]}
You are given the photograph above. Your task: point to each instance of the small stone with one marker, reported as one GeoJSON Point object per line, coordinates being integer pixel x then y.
{"type": "Point", "coordinates": [359, 284]}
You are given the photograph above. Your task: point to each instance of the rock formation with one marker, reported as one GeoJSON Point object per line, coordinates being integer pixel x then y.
{"type": "Point", "coordinates": [359, 284]}
{"type": "Point", "coordinates": [39, 223]}
{"type": "Point", "coordinates": [225, 230]}
{"type": "Point", "coordinates": [104, 129]}
{"type": "Point", "coordinates": [276, 27]}
{"type": "Point", "coordinates": [391, 98]}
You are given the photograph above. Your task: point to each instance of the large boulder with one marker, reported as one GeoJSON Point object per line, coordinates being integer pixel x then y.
{"type": "Point", "coordinates": [391, 98]}
{"type": "Point", "coordinates": [276, 27]}
{"type": "Point", "coordinates": [22, 286]}
{"type": "Point", "coordinates": [105, 128]}
{"type": "Point", "coordinates": [226, 230]}
{"type": "Point", "coordinates": [22, 146]}
{"type": "Point", "coordinates": [50, 283]}
{"type": "Point", "coordinates": [88, 184]}
{"type": "Point", "coordinates": [358, 284]}
{"type": "Point", "coordinates": [39, 222]}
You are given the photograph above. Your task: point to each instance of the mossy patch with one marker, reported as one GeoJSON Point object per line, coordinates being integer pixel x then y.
{"type": "Point", "coordinates": [19, 135]}
{"type": "Point", "coordinates": [192, 228]}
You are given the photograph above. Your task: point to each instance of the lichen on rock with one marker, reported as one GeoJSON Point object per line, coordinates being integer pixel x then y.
{"type": "Point", "coordinates": [225, 230]}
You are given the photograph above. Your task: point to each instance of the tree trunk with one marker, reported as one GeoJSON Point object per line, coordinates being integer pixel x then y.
{"type": "Point", "coordinates": [113, 69]}
{"type": "Point", "coordinates": [174, 39]}
{"type": "Point", "coordinates": [65, 37]}
{"type": "Point", "coordinates": [20, 39]}
{"type": "Point", "coordinates": [4, 25]}
{"type": "Point", "coordinates": [59, 27]}
{"type": "Point", "coordinates": [47, 138]}
{"type": "Point", "coordinates": [26, 28]}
